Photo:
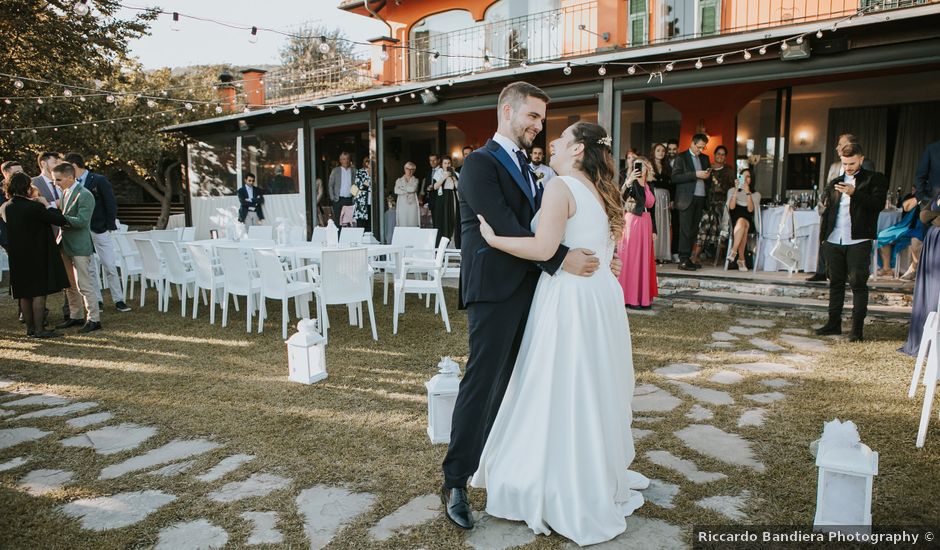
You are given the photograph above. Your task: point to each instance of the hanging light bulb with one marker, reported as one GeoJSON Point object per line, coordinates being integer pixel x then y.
{"type": "Point", "coordinates": [602, 70]}
{"type": "Point", "coordinates": [7, 101]}
{"type": "Point", "coordinates": [18, 84]}
{"type": "Point", "coordinates": [384, 100]}
{"type": "Point", "coordinates": [324, 47]}
{"type": "Point", "coordinates": [296, 110]}
{"type": "Point", "coordinates": [438, 87]}
{"type": "Point", "coordinates": [835, 26]}
{"type": "Point", "coordinates": [218, 109]}
{"type": "Point", "coordinates": [151, 103]}
{"type": "Point", "coordinates": [720, 59]}
{"type": "Point", "coordinates": [175, 23]}
{"type": "Point", "coordinates": [670, 66]}
{"type": "Point", "coordinates": [81, 8]}
{"type": "Point", "coordinates": [67, 93]}
{"type": "Point", "coordinates": [819, 33]}
{"type": "Point", "coordinates": [631, 69]}
{"type": "Point", "coordinates": [762, 50]}
{"type": "Point", "coordinates": [55, 129]}
{"type": "Point", "coordinates": [39, 100]}
{"type": "Point", "coordinates": [567, 69]}
{"type": "Point", "coordinates": [784, 46]}
{"type": "Point", "coordinates": [81, 98]}
{"type": "Point", "coordinates": [412, 95]}
{"type": "Point", "coordinates": [383, 55]}
{"type": "Point", "coordinates": [397, 99]}
{"type": "Point", "coordinates": [246, 110]}
{"type": "Point", "coordinates": [253, 38]}
{"type": "Point", "coordinates": [523, 65]}
{"type": "Point", "coordinates": [188, 105]}
{"type": "Point", "coordinates": [698, 63]}
{"type": "Point", "coordinates": [34, 130]}
{"type": "Point", "coordinates": [486, 62]}
{"type": "Point", "coordinates": [799, 40]}
{"type": "Point", "coordinates": [342, 107]}
{"type": "Point", "coordinates": [747, 54]}
{"type": "Point", "coordinates": [109, 98]}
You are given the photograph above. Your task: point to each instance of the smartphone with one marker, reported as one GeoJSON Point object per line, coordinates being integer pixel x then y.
{"type": "Point", "coordinates": [740, 182]}
{"type": "Point", "coordinates": [638, 165]}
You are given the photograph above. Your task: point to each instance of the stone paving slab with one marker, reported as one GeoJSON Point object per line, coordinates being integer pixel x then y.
{"type": "Point", "coordinates": [649, 398]}
{"type": "Point", "coordinates": [6, 412]}
{"type": "Point", "coordinates": [685, 467]}
{"type": "Point", "coordinates": [720, 445]}
{"type": "Point", "coordinates": [326, 510]}
{"type": "Point", "coordinates": [258, 485]}
{"type": "Point", "coordinates": [723, 337]}
{"type": "Point", "coordinates": [752, 418]}
{"type": "Point", "coordinates": [726, 377]}
{"type": "Point", "coordinates": [225, 466]}
{"type": "Point", "coordinates": [766, 345]}
{"type": "Point", "coordinates": [57, 411]}
{"type": "Point", "coordinates": [89, 419]}
{"type": "Point", "coordinates": [639, 433]}
{"type": "Point", "coordinates": [492, 533]}
{"type": "Point", "coordinates": [762, 367]}
{"type": "Point", "coordinates": [704, 395]}
{"type": "Point", "coordinates": [765, 398]}
{"type": "Point", "coordinates": [679, 370]}
{"type": "Point", "coordinates": [116, 511]}
{"type": "Point", "coordinates": [192, 535]}
{"type": "Point", "coordinates": [752, 354]}
{"type": "Point", "coordinates": [661, 493]}
{"type": "Point", "coordinates": [112, 439]}
{"type": "Point", "coordinates": [417, 511]}
{"type": "Point", "coordinates": [45, 400]}
{"type": "Point", "coordinates": [13, 463]}
{"type": "Point", "coordinates": [746, 331]}
{"type": "Point", "coordinates": [797, 331]}
{"type": "Point", "coordinates": [41, 482]}
{"type": "Point", "coordinates": [720, 345]}
{"type": "Point", "coordinates": [776, 383]}
{"type": "Point", "coordinates": [763, 323]}
{"type": "Point", "coordinates": [174, 469]}
{"type": "Point", "coordinates": [643, 534]}
{"type": "Point", "coordinates": [804, 344]}
{"type": "Point", "coordinates": [732, 507]}
{"type": "Point", "coordinates": [175, 450]}
{"type": "Point", "coordinates": [699, 413]}
{"type": "Point", "coordinates": [264, 530]}
{"type": "Point", "coordinates": [10, 437]}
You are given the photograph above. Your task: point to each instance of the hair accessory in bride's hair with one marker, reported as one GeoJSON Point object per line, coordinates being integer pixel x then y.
{"type": "Point", "coordinates": [605, 141]}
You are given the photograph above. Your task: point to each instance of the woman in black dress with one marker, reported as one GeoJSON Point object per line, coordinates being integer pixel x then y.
{"type": "Point", "coordinates": [36, 268]}
{"type": "Point", "coordinates": [446, 189]}
{"type": "Point", "coordinates": [741, 212]}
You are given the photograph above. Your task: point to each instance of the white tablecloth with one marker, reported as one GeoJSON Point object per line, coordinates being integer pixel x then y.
{"type": "Point", "coordinates": [807, 238]}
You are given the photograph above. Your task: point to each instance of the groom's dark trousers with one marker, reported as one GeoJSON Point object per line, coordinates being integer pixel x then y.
{"type": "Point", "coordinates": [497, 290]}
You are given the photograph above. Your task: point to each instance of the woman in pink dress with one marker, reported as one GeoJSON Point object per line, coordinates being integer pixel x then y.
{"type": "Point", "coordinates": [636, 251]}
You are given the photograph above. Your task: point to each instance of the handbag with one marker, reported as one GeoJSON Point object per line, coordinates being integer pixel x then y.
{"type": "Point", "coordinates": [786, 251]}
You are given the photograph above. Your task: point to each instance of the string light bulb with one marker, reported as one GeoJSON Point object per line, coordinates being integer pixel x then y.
{"type": "Point", "coordinates": [747, 55]}
{"type": "Point", "coordinates": [486, 63]}
{"type": "Point", "coordinates": [383, 55]}
{"type": "Point", "coordinates": [39, 100]}
{"type": "Point", "coordinates": [799, 40]}
{"type": "Point", "coordinates": [762, 50]}
{"type": "Point", "coordinates": [698, 63]}
{"type": "Point", "coordinates": [567, 69]}
{"type": "Point", "coordinates": [109, 98]}
{"type": "Point", "coordinates": [819, 33]}
{"type": "Point", "coordinates": [67, 92]}
{"type": "Point", "coordinates": [324, 47]}
{"type": "Point", "coordinates": [253, 38]}
{"type": "Point", "coordinates": [218, 110]}
{"type": "Point", "coordinates": [7, 101]}
{"type": "Point", "coordinates": [384, 100]}
{"type": "Point", "coordinates": [720, 59]}
{"type": "Point", "coordinates": [188, 105]}
{"type": "Point", "coordinates": [151, 103]}
{"type": "Point", "coordinates": [321, 107]}
{"type": "Point", "coordinates": [670, 66]}
{"type": "Point", "coordinates": [784, 46]}
{"type": "Point", "coordinates": [602, 70]}
{"type": "Point", "coordinates": [342, 107]}
{"type": "Point", "coordinates": [296, 110]}
{"type": "Point", "coordinates": [397, 99]}
{"type": "Point", "coordinates": [81, 8]}
{"type": "Point", "coordinates": [18, 84]}
{"type": "Point", "coordinates": [175, 23]}
{"type": "Point", "coordinates": [631, 69]}
{"type": "Point", "coordinates": [82, 98]}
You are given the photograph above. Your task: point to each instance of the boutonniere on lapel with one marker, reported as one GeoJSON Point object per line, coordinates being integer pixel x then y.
{"type": "Point", "coordinates": [537, 175]}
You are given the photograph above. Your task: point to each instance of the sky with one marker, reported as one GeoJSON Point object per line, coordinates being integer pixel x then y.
{"type": "Point", "coordinates": [201, 43]}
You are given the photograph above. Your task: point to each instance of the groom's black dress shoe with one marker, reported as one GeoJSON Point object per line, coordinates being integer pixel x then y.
{"type": "Point", "coordinates": [457, 507]}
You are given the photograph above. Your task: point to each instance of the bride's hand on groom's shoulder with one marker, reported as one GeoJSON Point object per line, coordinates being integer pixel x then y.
{"type": "Point", "coordinates": [486, 231]}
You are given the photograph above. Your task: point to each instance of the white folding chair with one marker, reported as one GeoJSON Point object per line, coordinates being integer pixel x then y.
{"type": "Point", "coordinates": [432, 285]}
{"type": "Point", "coordinates": [177, 273]}
{"type": "Point", "coordinates": [929, 354]}
{"type": "Point", "coordinates": [279, 283]}
{"type": "Point", "coordinates": [208, 277]}
{"type": "Point", "coordinates": [153, 270]}
{"type": "Point", "coordinates": [345, 278]}
{"type": "Point", "coordinates": [265, 232]}
{"type": "Point", "coordinates": [188, 234]}
{"type": "Point", "coordinates": [129, 265]}
{"type": "Point", "coordinates": [350, 235]}
{"type": "Point", "coordinates": [319, 235]}
{"type": "Point", "coordinates": [241, 279]}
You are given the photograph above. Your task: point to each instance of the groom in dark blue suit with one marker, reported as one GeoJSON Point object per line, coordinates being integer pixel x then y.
{"type": "Point", "coordinates": [496, 288]}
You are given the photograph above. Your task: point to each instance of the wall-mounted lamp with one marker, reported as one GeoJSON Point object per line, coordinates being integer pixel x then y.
{"type": "Point", "coordinates": [804, 137]}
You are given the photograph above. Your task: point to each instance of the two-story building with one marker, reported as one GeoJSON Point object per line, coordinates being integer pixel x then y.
{"type": "Point", "coordinates": [775, 81]}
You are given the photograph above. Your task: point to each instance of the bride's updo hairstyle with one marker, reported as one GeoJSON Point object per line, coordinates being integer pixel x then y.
{"type": "Point", "coordinates": [598, 164]}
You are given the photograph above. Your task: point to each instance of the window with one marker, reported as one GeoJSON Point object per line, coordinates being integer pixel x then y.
{"type": "Point", "coordinates": [272, 157]}
{"type": "Point", "coordinates": [212, 166]}
{"type": "Point", "coordinates": [638, 22]}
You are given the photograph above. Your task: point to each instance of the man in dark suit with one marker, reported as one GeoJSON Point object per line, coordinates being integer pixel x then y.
{"type": "Point", "coordinates": [852, 202]}
{"type": "Point", "coordinates": [45, 183]}
{"type": "Point", "coordinates": [927, 178]}
{"type": "Point", "coordinates": [435, 174]}
{"type": "Point", "coordinates": [250, 200]}
{"type": "Point", "coordinates": [689, 176]}
{"type": "Point", "coordinates": [496, 288]}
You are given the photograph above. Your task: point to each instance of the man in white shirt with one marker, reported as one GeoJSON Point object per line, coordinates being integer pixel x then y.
{"type": "Point", "coordinates": [543, 172]}
{"type": "Point", "coordinates": [340, 186]}
{"type": "Point", "coordinates": [852, 202]}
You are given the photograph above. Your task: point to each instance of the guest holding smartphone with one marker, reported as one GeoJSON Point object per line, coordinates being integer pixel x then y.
{"type": "Point", "coordinates": [636, 251]}
{"type": "Point", "coordinates": [741, 212]}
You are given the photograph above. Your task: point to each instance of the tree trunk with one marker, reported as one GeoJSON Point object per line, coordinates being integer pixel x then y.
{"type": "Point", "coordinates": [167, 197]}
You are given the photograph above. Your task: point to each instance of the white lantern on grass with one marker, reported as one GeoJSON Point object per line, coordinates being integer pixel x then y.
{"type": "Point", "coordinates": [846, 471]}
{"type": "Point", "coordinates": [442, 396]}
{"type": "Point", "coordinates": [306, 354]}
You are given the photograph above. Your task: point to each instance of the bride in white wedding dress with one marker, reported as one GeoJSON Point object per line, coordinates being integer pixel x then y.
{"type": "Point", "coordinates": [558, 453]}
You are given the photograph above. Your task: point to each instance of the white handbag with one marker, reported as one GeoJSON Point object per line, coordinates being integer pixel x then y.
{"type": "Point", "coordinates": [786, 251]}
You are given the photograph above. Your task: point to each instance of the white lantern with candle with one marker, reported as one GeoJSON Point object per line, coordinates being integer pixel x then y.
{"type": "Point", "coordinates": [846, 471]}
{"type": "Point", "coordinates": [442, 396]}
{"type": "Point", "coordinates": [306, 353]}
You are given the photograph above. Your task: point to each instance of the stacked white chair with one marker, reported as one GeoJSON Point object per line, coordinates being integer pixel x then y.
{"type": "Point", "coordinates": [278, 283]}
{"type": "Point", "coordinates": [208, 277]}
{"type": "Point", "coordinates": [345, 278]}
{"type": "Point", "coordinates": [261, 232]}
{"type": "Point", "coordinates": [241, 279]}
{"type": "Point", "coordinates": [188, 234]}
{"type": "Point", "coordinates": [350, 235]}
{"type": "Point", "coordinates": [177, 273]}
{"type": "Point", "coordinates": [930, 354]}
{"type": "Point", "coordinates": [129, 265]}
{"type": "Point", "coordinates": [431, 285]}
{"type": "Point", "coordinates": [152, 270]}
{"type": "Point", "coordinates": [319, 236]}
{"type": "Point", "coordinates": [164, 235]}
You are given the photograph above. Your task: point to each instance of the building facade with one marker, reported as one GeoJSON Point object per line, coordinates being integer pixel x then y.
{"type": "Point", "coordinates": [775, 81]}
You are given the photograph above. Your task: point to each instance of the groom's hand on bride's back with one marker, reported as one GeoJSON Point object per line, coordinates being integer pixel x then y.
{"type": "Point", "coordinates": [581, 262]}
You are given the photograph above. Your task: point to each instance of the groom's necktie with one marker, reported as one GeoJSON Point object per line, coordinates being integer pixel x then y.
{"type": "Point", "coordinates": [529, 179]}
